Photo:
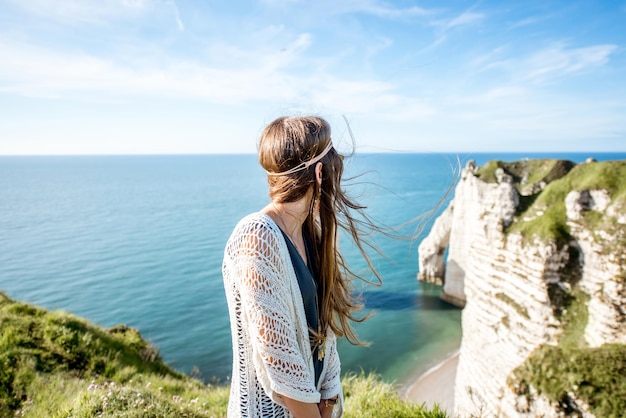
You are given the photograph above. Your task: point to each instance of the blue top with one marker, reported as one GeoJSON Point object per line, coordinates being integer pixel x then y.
{"type": "Point", "coordinates": [308, 289]}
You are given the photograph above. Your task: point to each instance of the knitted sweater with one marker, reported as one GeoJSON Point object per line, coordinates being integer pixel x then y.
{"type": "Point", "coordinates": [270, 337]}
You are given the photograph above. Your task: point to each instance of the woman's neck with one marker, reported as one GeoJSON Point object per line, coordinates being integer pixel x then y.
{"type": "Point", "coordinates": [289, 216]}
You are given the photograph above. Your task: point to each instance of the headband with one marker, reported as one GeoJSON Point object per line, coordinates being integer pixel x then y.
{"type": "Point", "coordinates": [304, 165]}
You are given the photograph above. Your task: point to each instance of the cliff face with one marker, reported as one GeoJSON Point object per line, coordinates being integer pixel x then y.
{"type": "Point", "coordinates": [478, 209]}
{"type": "Point", "coordinates": [527, 242]}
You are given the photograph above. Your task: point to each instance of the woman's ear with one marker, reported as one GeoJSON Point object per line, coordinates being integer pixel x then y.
{"type": "Point", "coordinates": [318, 173]}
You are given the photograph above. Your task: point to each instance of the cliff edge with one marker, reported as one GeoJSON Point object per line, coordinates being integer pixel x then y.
{"type": "Point", "coordinates": [536, 254]}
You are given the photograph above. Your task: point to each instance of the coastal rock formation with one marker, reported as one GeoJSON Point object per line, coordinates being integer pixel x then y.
{"type": "Point", "coordinates": [457, 227]}
{"type": "Point", "coordinates": [536, 253]}
{"type": "Point", "coordinates": [431, 262]}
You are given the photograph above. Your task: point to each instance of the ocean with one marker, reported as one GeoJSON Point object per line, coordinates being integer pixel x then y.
{"type": "Point", "coordinates": [138, 240]}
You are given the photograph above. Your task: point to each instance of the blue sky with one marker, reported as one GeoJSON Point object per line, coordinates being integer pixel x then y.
{"type": "Point", "coordinates": [174, 76]}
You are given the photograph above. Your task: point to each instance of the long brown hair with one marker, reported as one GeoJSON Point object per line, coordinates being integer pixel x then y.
{"type": "Point", "coordinates": [286, 143]}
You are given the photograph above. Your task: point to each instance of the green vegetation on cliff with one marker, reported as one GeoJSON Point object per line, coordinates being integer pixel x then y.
{"type": "Point", "coordinates": [54, 364]}
{"type": "Point", "coordinates": [541, 212]}
{"type": "Point", "coordinates": [572, 372]}
{"type": "Point", "coordinates": [526, 173]}
{"type": "Point", "coordinates": [594, 376]}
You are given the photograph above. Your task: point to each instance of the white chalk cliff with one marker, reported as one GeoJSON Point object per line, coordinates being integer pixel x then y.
{"type": "Point", "coordinates": [525, 242]}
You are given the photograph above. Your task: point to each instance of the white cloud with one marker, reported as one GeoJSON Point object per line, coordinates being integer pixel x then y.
{"type": "Point", "coordinates": [373, 7]}
{"type": "Point", "coordinates": [464, 19]}
{"type": "Point", "coordinates": [179, 22]}
{"type": "Point", "coordinates": [382, 10]}
{"type": "Point", "coordinates": [495, 96]}
{"type": "Point", "coordinates": [444, 26]}
{"type": "Point", "coordinates": [558, 60]}
{"type": "Point", "coordinates": [526, 117]}
{"type": "Point", "coordinates": [525, 22]}
{"type": "Point", "coordinates": [377, 99]}
{"type": "Point", "coordinates": [489, 59]}
{"type": "Point", "coordinates": [279, 3]}
{"type": "Point", "coordinates": [241, 77]}
{"type": "Point", "coordinates": [544, 65]}
{"type": "Point", "coordinates": [375, 47]}
{"type": "Point", "coordinates": [278, 51]}
{"type": "Point", "coordinates": [37, 73]}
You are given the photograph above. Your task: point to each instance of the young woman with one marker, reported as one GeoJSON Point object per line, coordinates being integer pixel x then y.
{"type": "Point", "coordinates": [287, 287]}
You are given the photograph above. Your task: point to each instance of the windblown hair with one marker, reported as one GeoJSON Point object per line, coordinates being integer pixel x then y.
{"type": "Point", "coordinates": [284, 144]}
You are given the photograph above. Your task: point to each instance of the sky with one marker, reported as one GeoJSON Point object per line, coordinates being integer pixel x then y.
{"type": "Point", "coordinates": [205, 76]}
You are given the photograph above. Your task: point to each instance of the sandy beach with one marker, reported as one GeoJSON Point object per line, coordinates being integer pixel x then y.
{"type": "Point", "coordinates": [436, 385]}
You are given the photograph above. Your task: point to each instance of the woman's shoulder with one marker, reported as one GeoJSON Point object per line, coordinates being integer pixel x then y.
{"type": "Point", "coordinates": [256, 221]}
{"type": "Point", "coordinates": [258, 235]}
{"type": "Point", "coordinates": [257, 224]}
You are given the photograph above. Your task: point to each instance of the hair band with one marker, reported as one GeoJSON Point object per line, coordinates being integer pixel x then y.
{"type": "Point", "coordinates": [306, 164]}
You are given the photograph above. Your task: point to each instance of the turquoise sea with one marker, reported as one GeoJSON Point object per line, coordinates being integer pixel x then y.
{"type": "Point", "coordinates": [139, 240]}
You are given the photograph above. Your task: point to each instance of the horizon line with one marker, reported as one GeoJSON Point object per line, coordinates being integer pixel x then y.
{"type": "Point", "coordinates": [189, 154]}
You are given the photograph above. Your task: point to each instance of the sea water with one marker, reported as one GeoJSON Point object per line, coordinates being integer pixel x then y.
{"type": "Point", "coordinates": [139, 240]}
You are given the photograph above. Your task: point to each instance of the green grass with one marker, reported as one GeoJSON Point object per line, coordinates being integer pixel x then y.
{"type": "Point", "coordinates": [57, 365]}
{"type": "Point", "coordinates": [574, 319]}
{"type": "Point", "coordinates": [366, 396]}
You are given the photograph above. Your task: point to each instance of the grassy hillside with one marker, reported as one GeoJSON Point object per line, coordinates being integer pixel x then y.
{"type": "Point", "coordinates": [54, 364]}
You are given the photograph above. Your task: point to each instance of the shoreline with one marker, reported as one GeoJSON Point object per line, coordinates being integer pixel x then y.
{"type": "Point", "coordinates": [435, 385]}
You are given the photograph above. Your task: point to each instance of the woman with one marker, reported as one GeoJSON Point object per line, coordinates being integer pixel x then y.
{"type": "Point", "coordinates": [286, 284]}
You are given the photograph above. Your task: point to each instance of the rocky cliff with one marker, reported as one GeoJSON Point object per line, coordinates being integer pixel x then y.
{"type": "Point", "coordinates": [536, 254]}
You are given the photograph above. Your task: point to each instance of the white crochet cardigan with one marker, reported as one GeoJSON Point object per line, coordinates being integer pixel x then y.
{"type": "Point", "coordinates": [270, 337]}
